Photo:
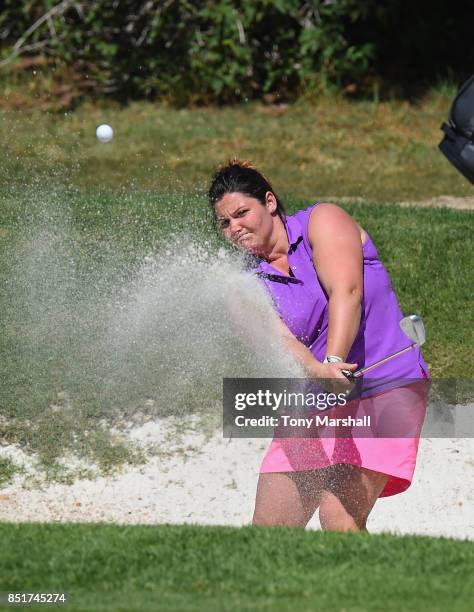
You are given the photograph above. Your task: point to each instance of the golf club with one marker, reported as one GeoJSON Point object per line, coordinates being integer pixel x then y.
{"type": "Point", "coordinates": [413, 327]}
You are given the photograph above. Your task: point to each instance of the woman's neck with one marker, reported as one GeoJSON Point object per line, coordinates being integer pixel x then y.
{"type": "Point", "coordinates": [279, 245]}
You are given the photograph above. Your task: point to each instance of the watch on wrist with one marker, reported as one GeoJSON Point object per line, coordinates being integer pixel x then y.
{"type": "Point", "coordinates": [333, 359]}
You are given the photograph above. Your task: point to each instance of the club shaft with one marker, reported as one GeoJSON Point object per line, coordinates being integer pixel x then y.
{"type": "Point", "coordinates": [358, 373]}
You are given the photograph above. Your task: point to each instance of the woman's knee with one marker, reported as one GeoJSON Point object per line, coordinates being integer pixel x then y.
{"type": "Point", "coordinates": [349, 496]}
{"type": "Point", "coordinates": [285, 499]}
{"type": "Point", "coordinates": [333, 516]}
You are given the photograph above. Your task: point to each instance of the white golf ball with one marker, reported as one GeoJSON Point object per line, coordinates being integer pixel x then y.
{"type": "Point", "coordinates": [104, 133]}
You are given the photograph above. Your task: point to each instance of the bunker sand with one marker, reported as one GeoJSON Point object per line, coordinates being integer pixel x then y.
{"type": "Point", "coordinates": [215, 485]}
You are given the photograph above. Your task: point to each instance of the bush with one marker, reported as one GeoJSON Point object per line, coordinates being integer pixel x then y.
{"type": "Point", "coordinates": [187, 51]}
{"type": "Point", "coordinates": [223, 51]}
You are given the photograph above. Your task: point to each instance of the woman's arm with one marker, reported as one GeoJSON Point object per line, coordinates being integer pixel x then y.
{"type": "Point", "coordinates": [312, 367]}
{"type": "Point", "coordinates": [337, 255]}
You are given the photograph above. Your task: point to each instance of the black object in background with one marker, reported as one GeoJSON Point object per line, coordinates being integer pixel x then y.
{"type": "Point", "coordinates": [458, 142]}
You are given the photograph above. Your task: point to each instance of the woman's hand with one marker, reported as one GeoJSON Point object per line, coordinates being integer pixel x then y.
{"type": "Point", "coordinates": [333, 379]}
{"type": "Point", "coordinates": [334, 370]}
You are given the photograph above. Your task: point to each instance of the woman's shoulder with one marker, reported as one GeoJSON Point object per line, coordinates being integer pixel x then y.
{"type": "Point", "coordinates": [304, 211]}
{"type": "Point", "coordinates": [320, 209]}
{"type": "Point", "coordinates": [302, 215]}
{"type": "Point", "coordinates": [329, 213]}
{"type": "Point", "coordinates": [304, 221]}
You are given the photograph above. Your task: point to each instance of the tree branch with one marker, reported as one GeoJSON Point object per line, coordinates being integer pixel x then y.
{"type": "Point", "coordinates": [47, 17]}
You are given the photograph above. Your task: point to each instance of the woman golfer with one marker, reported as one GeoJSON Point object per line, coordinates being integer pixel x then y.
{"type": "Point", "coordinates": [338, 312]}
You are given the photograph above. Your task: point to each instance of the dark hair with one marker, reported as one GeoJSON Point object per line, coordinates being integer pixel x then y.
{"type": "Point", "coordinates": [242, 177]}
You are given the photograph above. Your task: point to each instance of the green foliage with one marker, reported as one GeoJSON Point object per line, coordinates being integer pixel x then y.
{"type": "Point", "coordinates": [188, 51]}
{"type": "Point", "coordinates": [223, 51]}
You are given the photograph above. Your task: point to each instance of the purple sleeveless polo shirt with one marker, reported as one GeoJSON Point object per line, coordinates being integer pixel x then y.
{"type": "Point", "coordinates": [302, 303]}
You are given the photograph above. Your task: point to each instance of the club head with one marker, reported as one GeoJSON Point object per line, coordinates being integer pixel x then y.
{"type": "Point", "coordinates": [414, 328]}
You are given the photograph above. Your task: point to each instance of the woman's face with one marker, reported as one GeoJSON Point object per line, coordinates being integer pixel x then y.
{"type": "Point", "coordinates": [246, 222]}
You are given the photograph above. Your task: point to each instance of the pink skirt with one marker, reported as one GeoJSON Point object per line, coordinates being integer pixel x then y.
{"type": "Point", "coordinates": [400, 410]}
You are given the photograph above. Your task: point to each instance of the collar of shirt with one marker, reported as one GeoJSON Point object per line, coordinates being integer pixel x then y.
{"type": "Point", "coordinates": [264, 269]}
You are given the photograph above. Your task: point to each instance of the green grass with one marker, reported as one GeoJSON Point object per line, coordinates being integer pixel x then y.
{"type": "Point", "coordinates": [426, 252]}
{"type": "Point", "coordinates": [106, 567]}
{"type": "Point", "coordinates": [8, 469]}
{"type": "Point", "coordinates": [327, 147]}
